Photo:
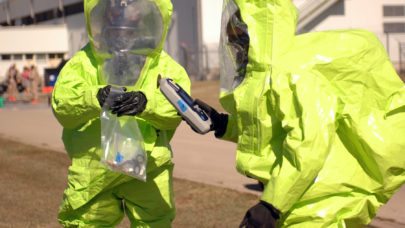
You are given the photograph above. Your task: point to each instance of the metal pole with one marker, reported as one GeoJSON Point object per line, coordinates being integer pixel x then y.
{"type": "Point", "coordinates": [62, 10]}
{"type": "Point", "coordinates": [7, 8]}
{"type": "Point", "coordinates": [207, 63]}
{"type": "Point", "coordinates": [388, 43]}
{"type": "Point", "coordinates": [200, 73]}
{"type": "Point", "coordinates": [32, 12]}
{"type": "Point", "coordinates": [400, 59]}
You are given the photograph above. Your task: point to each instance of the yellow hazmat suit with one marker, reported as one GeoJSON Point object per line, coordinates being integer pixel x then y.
{"type": "Point", "coordinates": [96, 196]}
{"type": "Point", "coordinates": [319, 118]}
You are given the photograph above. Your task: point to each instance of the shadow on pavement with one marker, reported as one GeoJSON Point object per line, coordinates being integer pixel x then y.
{"type": "Point", "coordinates": [255, 187]}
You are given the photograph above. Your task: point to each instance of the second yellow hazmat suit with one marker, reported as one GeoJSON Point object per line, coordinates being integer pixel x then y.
{"type": "Point", "coordinates": [318, 118]}
{"type": "Point", "coordinates": [96, 196]}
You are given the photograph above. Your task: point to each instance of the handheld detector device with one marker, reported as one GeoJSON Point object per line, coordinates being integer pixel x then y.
{"type": "Point", "coordinates": [184, 104]}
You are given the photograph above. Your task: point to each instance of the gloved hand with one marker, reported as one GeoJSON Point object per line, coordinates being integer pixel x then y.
{"type": "Point", "coordinates": [219, 120]}
{"type": "Point", "coordinates": [130, 103]}
{"type": "Point", "coordinates": [102, 94]}
{"type": "Point", "coordinates": [262, 215]}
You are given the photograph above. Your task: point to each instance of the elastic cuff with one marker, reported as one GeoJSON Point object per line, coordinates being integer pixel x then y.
{"type": "Point", "coordinates": [143, 101]}
{"type": "Point", "coordinates": [222, 123]}
{"type": "Point", "coordinates": [91, 97]}
{"type": "Point", "coordinates": [150, 104]}
{"type": "Point", "coordinates": [274, 211]}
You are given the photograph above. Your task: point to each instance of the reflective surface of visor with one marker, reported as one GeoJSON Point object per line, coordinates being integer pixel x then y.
{"type": "Point", "coordinates": [234, 48]}
{"type": "Point", "coordinates": [126, 26]}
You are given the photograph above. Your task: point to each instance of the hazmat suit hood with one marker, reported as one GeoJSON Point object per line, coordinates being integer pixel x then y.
{"type": "Point", "coordinates": [164, 6]}
{"type": "Point", "coordinates": [318, 118]}
{"type": "Point", "coordinates": [124, 34]}
{"type": "Point", "coordinates": [270, 28]}
{"type": "Point", "coordinates": [266, 40]}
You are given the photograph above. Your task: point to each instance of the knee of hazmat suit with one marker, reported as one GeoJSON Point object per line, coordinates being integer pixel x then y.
{"type": "Point", "coordinates": [125, 49]}
{"type": "Point", "coordinates": [318, 118]}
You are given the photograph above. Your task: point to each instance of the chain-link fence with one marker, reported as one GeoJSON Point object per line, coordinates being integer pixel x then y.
{"type": "Point", "coordinates": [402, 59]}
{"type": "Point", "coordinates": [394, 43]}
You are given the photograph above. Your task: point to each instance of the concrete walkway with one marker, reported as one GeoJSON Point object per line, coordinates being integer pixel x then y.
{"type": "Point", "coordinates": [199, 158]}
{"type": "Point", "coordinates": [196, 157]}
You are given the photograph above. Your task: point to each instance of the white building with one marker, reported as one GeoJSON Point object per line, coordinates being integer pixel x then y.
{"type": "Point", "coordinates": [40, 32]}
{"type": "Point", "coordinates": [26, 25]}
{"type": "Point", "coordinates": [44, 31]}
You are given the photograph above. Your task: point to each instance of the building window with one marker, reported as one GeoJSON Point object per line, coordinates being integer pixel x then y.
{"type": "Point", "coordinates": [18, 57]}
{"type": "Point", "coordinates": [41, 57]}
{"type": "Point", "coordinates": [44, 16]}
{"type": "Point", "coordinates": [50, 14]}
{"type": "Point", "coordinates": [55, 56]}
{"type": "Point", "coordinates": [394, 11]}
{"type": "Point", "coordinates": [29, 56]}
{"type": "Point", "coordinates": [6, 57]}
{"type": "Point", "coordinates": [28, 20]}
{"type": "Point", "coordinates": [73, 9]}
{"type": "Point", "coordinates": [394, 27]}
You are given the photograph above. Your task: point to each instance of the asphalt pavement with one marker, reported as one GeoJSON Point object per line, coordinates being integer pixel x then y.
{"type": "Point", "coordinates": [198, 158]}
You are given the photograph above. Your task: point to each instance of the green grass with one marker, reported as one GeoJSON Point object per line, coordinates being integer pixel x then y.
{"type": "Point", "coordinates": [32, 181]}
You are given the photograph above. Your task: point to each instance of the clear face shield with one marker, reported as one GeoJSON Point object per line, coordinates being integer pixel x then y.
{"type": "Point", "coordinates": [124, 33]}
{"type": "Point", "coordinates": [234, 48]}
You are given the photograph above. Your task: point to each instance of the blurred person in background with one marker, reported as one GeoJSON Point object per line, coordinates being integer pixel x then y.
{"type": "Point", "coordinates": [3, 86]}
{"type": "Point", "coordinates": [12, 77]}
{"type": "Point", "coordinates": [25, 78]}
{"type": "Point", "coordinates": [34, 83]}
{"type": "Point", "coordinates": [127, 38]}
{"type": "Point", "coordinates": [318, 118]}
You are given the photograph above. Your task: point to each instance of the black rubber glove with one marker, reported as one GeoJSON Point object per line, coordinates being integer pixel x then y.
{"type": "Point", "coordinates": [130, 104]}
{"type": "Point", "coordinates": [219, 120]}
{"type": "Point", "coordinates": [262, 215]}
{"type": "Point", "coordinates": [102, 95]}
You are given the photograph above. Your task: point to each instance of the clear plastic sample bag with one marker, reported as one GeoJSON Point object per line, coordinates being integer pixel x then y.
{"type": "Point", "coordinates": [122, 143]}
